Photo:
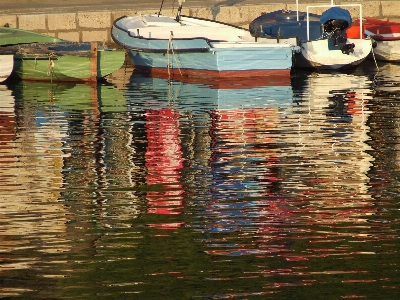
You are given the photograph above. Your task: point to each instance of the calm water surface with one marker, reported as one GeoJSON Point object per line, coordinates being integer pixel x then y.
{"type": "Point", "coordinates": [139, 189]}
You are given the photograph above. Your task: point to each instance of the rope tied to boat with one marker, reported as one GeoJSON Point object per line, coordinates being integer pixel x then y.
{"type": "Point", "coordinates": [373, 53]}
{"type": "Point", "coordinates": [171, 48]}
{"type": "Point", "coordinates": [50, 66]}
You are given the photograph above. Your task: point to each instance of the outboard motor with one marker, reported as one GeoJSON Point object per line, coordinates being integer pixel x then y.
{"type": "Point", "coordinates": [334, 25]}
{"type": "Point", "coordinates": [347, 48]}
{"type": "Point", "coordinates": [335, 21]}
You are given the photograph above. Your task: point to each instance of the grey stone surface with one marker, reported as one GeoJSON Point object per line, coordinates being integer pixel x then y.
{"type": "Point", "coordinates": [92, 19]}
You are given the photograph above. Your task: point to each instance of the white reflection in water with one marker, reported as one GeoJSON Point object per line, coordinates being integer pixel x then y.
{"type": "Point", "coordinates": [31, 178]}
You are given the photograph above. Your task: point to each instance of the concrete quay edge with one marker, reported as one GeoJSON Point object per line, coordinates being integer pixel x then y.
{"type": "Point", "coordinates": [94, 25]}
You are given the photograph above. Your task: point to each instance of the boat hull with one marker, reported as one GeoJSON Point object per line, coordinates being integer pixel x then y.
{"type": "Point", "coordinates": [386, 35]}
{"type": "Point", "coordinates": [6, 66]}
{"type": "Point", "coordinates": [215, 63]}
{"type": "Point", "coordinates": [66, 68]}
{"type": "Point", "coordinates": [320, 37]}
{"type": "Point", "coordinates": [387, 51]}
{"type": "Point", "coordinates": [322, 54]}
{"type": "Point", "coordinates": [222, 51]}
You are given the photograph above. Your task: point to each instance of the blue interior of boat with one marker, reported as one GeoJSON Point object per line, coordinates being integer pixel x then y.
{"type": "Point", "coordinates": [286, 24]}
{"type": "Point", "coordinates": [294, 29]}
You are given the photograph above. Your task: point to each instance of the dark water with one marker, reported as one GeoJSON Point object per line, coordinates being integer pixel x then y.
{"type": "Point", "coordinates": [142, 190]}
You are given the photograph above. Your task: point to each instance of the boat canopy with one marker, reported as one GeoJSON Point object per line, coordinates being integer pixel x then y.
{"type": "Point", "coordinates": [337, 14]}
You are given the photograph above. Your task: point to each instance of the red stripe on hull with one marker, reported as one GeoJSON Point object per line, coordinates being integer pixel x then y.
{"type": "Point", "coordinates": [224, 79]}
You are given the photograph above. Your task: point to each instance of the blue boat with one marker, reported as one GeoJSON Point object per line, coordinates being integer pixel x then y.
{"type": "Point", "coordinates": [321, 38]}
{"type": "Point", "coordinates": [185, 46]}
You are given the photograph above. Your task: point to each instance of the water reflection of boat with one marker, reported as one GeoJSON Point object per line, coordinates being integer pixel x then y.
{"type": "Point", "coordinates": [387, 81]}
{"type": "Point", "coordinates": [277, 170]}
{"type": "Point", "coordinates": [214, 94]}
{"type": "Point", "coordinates": [56, 143]}
{"type": "Point", "coordinates": [7, 116]}
{"type": "Point", "coordinates": [31, 160]}
{"type": "Point", "coordinates": [92, 140]}
{"type": "Point", "coordinates": [385, 131]}
{"type": "Point", "coordinates": [333, 141]}
{"type": "Point", "coordinates": [68, 97]}
{"type": "Point", "coordinates": [172, 107]}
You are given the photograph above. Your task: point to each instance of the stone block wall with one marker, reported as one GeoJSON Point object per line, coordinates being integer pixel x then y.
{"type": "Point", "coordinates": [96, 26]}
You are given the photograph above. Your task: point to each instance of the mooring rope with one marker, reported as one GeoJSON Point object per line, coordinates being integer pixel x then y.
{"type": "Point", "coordinates": [373, 55]}
{"type": "Point", "coordinates": [51, 66]}
{"type": "Point", "coordinates": [168, 62]}
{"type": "Point", "coordinates": [171, 47]}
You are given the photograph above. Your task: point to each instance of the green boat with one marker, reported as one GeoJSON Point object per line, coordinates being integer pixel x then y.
{"type": "Point", "coordinates": [64, 61]}
{"type": "Point", "coordinates": [12, 36]}
{"type": "Point", "coordinates": [15, 36]}
{"type": "Point", "coordinates": [39, 57]}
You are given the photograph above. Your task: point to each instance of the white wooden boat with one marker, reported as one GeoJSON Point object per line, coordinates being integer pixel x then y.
{"type": "Point", "coordinates": [185, 46]}
{"type": "Point", "coordinates": [321, 37]}
{"type": "Point", "coordinates": [6, 66]}
{"type": "Point", "coordinates": [385, 33]}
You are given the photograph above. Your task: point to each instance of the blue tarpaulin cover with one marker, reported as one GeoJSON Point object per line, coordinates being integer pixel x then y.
{"type": "Point", "coordinates": [336, 13]}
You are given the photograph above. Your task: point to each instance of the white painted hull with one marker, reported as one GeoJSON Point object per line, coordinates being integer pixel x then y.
{"type": "Point", "coordinates": [200, 47]}
{"type": "Point", "coordinates": [388, 51]}
{"type": "Point", "coordinates": [323, 54]}
{"type": "Point", "coordinates": [6, 66]}
{"type": "Point", "coordinates": [385, 33]}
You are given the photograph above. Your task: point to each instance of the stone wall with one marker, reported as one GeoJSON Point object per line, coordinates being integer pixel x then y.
{"type": "Point", "coordinates": [96, 25]}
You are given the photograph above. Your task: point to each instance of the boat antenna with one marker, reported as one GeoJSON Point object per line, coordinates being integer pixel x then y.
{"type": "Point", "coordinates": [178, 15]}
{"type": "Point", "coordinates": [162, 2]}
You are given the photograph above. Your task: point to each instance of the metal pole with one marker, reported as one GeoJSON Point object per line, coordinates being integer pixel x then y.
{"type": "Point", "coordinates": [162, 2]}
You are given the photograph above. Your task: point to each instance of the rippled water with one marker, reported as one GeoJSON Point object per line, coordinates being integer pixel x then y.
{"type": "Point", "coordinates": [140, 189]}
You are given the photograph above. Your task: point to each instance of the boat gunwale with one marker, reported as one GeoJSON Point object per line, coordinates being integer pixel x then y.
{"type": "Point", "coordinates": [189, 50]}
{"type": "Point", "coordinates": [127, 46]}
{"type": "Point", "coordinates": [184, 16]}
{"type": "Point", "coordinates": [29, 49]}
{"type": "Point", "coordinates": [383, 38]}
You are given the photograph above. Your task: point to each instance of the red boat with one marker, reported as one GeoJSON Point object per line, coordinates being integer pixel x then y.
{"type": "Point", "coordinates": [385, 33]}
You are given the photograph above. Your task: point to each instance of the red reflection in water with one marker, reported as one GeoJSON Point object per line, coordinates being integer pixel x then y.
{"type": "Point", "coordinates": [163, 161]}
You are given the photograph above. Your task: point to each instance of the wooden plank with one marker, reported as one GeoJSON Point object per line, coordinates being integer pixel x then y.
{"type": "Point", "coordinates": [93, 62]}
